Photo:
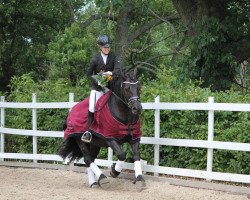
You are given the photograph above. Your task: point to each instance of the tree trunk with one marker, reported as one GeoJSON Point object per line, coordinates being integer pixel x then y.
{"type": "Point", "coordinates": [122, 32]}
{"type": "Point", "coordinates": [7, 73]}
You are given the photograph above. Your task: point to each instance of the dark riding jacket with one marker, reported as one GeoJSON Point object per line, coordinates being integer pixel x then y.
{"type": "Point", "coordinates": [97, 64]}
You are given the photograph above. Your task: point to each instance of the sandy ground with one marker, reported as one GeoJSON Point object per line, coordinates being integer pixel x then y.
{"type": "Point", "coordinates": [34, 184]}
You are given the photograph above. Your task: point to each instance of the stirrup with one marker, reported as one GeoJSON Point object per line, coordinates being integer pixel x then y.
{"type": "Point", "coordinates": [86, 137]}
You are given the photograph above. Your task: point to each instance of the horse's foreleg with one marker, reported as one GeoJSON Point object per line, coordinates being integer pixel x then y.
{"type": "Point", "coordinates": [117, 167]}
{"type": "Point", "coordinates": [137, 165]}
{"type": "Point", "coordinates": [136, 158]}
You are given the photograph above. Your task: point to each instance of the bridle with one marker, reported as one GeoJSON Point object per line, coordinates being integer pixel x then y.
{"type": "Point", "coordinates": [131, 99]}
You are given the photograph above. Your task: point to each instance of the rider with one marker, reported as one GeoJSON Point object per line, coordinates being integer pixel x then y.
{"type": "Point", "coordinates": [107, 64]}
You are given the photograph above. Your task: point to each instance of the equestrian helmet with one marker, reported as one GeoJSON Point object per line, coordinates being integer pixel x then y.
{"type": "Point", "coordinates": [104, 41]}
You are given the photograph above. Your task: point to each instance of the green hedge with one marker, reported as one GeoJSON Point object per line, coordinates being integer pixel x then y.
{"type": "Point", "coordinates": [229, 126]}
{"type": "Point", "coordinates": [47, 119]}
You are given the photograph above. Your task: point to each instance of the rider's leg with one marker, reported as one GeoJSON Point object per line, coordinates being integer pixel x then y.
{"type": "Point", "coordinates": [94, 96]}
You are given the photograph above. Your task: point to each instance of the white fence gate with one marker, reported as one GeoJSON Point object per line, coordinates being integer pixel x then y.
{"type": "Point", "coordinates": [156, 140]}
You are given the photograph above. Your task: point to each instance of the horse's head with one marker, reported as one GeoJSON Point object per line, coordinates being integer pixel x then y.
{"type": "Point", "coordinates": [130, 89]}
{"type": "Point", "coordinates": [131, 92]}
{"type": "Point", "coordinates": [126, 87]}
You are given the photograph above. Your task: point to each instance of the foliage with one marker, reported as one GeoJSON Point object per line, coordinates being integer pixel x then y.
{"type": "Point", "coordinates": [69, 54]}
{"type": "Point", "coordinates": [207, 55]}
{"type": "Point", "coordinates": [213, 46]}
{"type": "Point", "coordinates": [26, 29]}
{"type": "Point", "coordinates": [46, 91]}
{"type": "Point", "coordinates": [229, 126]}
{"type": "Point", "coordinates": [40, 39]}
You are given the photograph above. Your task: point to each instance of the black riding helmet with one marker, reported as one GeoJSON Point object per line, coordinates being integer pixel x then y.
{"type": "Point", "coordinates": [104, 41]}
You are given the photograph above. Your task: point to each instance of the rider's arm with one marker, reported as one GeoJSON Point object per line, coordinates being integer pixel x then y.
{"type": "Point", "coordinates": [91, 71]}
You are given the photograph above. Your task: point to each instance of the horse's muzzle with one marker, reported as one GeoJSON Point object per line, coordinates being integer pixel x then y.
{"type": "Point", "coordinates": [136, 107]}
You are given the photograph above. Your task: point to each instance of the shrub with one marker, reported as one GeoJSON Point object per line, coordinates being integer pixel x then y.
{"type": "Point", "coordinates": [229, 126]}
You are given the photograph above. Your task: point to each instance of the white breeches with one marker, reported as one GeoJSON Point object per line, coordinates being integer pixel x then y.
{"type": "Point", "coordinates": [94, 96]}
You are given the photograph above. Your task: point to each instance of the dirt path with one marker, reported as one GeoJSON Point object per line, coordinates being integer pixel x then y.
{"type": "Point", "coordinates": [34, 184]}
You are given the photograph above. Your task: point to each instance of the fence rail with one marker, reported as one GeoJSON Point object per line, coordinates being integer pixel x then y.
{"type": "Point", "coordinates": [208, 144]}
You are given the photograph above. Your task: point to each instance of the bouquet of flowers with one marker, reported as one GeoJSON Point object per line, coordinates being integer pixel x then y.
{"type": "Point", "coordinates": [102, 78]}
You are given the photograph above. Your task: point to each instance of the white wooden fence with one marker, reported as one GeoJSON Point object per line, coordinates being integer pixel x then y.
{"type": "Point", "coordinates": [209, 144]}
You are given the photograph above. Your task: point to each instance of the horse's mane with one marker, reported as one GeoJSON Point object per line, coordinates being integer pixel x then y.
{"type": "Point", "coordinates": [115, 83]}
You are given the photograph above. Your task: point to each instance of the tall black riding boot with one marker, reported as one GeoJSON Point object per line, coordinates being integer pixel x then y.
{"type": "Point", "coordinates": [87, 136]}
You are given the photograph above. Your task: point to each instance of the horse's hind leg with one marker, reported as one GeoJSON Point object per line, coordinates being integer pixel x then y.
{"type": "Point", "coordinates": [117, 167]}
{"type": "Point", "coordinates": [85, 148]}
{"type": "Point", "coordinates": [101, 178]}
{"type": "Point", "coordinates": [95, 175]}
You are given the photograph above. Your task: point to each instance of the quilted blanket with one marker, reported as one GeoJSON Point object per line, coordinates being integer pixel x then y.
{"type": "Point", "coordinates": [104, 124]}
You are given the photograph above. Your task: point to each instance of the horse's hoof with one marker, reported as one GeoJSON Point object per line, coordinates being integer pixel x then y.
{"type": "Point", "coordinates": [94, 185]}
{"type": "Point", "coordinates": [113, 172]}
{"type": "Point", "coordinates": [103, 181]}
{"type": "Point", "coordinates": [140, 183]}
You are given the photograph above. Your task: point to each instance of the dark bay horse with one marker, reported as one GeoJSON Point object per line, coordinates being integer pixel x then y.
{"type": "Point", "coordinates": [117, 121]}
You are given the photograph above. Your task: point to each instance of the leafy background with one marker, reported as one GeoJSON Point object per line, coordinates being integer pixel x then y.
{"type": "Point", "coordinates": [229, 126]}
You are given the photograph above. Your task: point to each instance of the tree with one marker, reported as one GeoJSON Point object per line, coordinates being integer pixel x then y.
{"type": "Point", "coordinates": [219, 39]}
{"type": "Point", "coordinates": [143, 34]}
{"type": "Point", "coordinates": [26, 27]}
{"type": "Point", "coordinates": [133, 19]}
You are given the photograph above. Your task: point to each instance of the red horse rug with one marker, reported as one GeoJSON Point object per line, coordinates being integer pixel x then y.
{"type": "Point", "coordinates": [104, 124]}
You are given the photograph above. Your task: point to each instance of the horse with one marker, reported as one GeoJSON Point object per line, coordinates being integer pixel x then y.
{"type": "Point", "coordinates": [116, 121]}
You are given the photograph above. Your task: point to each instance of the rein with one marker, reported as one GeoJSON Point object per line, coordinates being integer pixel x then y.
{"type": "Point", "coordinates": [130, 100]}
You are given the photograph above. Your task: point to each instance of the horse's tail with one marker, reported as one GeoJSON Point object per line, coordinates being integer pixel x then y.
{"type": "Point", "coordinates": [69, 149]}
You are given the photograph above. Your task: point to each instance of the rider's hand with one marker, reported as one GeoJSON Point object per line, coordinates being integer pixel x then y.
{"type": "Point", "coordinates": [107, 73]}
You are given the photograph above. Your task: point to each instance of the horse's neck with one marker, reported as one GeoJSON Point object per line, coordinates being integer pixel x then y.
{"type": "Point", "coordinates": [121, 111]}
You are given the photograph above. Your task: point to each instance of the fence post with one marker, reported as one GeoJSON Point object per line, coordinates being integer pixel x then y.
{"type": "Point", "coordinates": [210, 135]}
{"type": "Point", "coordinates": [2, 126]}
{"type": "Point", "coordinates": [71, 165]}
{"type": "Point", "coordinates": [110, 154]}
{"type": "Point", "coordinates": [157, 134]}
{"type": "Point", "coordinates": [34, 125]}
{"type": "Point", "coordinates": [71, 98]}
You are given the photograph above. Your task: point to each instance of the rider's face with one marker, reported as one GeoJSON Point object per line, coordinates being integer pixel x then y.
{"type": "Point", "coordinates": [105, 50]}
